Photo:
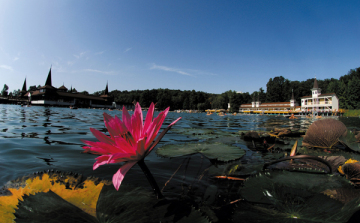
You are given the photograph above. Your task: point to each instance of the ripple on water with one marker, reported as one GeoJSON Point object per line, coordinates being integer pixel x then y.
{"type": "Point", "coordinates": [39, 138]}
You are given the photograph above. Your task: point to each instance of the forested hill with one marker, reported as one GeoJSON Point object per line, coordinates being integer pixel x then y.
{"type": "Point", "coordinates": [347, 88]}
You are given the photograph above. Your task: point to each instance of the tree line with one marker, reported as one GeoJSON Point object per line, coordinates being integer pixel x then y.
{"type": "Point", "coordinates": [278, 89]}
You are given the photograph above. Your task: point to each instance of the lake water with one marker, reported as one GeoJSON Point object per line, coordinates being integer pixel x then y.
{"type": "Point", "coordinates": [40, 138]}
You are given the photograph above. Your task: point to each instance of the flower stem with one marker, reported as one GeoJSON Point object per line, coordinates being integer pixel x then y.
{"type": "Point", "coordinates": [151, 179]}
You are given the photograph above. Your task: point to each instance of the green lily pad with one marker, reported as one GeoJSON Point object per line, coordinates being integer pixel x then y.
{"type": "Point", "coordinates": [350, 141]}
{"type": "Point", "coordinates": [213, 151]}
{"type": "Point", "coordinates": [131, 204]}
{"type": "Point", "coordinates": [290, 195]}
{"type": "Point", "coordinates": [189, 131]}
{"type": "Point", "coordinates": [203, 134]}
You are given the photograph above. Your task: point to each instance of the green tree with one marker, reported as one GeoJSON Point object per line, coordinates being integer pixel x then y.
{"type": "Point", "coordinates": [353, 96]}
{"type": "Point", "coordinates": [4, 91]}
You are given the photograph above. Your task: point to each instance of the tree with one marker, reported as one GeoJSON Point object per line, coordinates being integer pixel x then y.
{"type": "Point", "coordinates": [32, 88]}
{"type": "Point", "coordinates": [353, 96]}
{"type": "Point", "coordinates": [4, 91]}
{"type": "Point", "coordinates": [85, 92]}
{"type": "Point", "coordinates": [16, 93]}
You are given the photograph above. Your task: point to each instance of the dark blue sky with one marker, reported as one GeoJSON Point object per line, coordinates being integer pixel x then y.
{"type": "Point", "coordinates": [210, 46]}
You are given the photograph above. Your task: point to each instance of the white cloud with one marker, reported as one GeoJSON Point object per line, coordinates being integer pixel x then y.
{"type": "Point", "coordinates": [6, 67]}
{"type": "Point", "coordinates": [99, 71]}
{"type": "Point", "coordinates": [128, 49]}
{"type": "Point", "coordinates": [170, 69]}
{"type": "Point", "coordinates": [80, 54]}
{"type": "Point", "coordinates": [99, 53]}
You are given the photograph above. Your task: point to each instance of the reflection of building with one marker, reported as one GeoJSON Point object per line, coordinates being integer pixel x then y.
{"type": "Point", "coordinates": [256, 105]}
{"type": "Point", "coordinates": [318, 102]}
{"type": "Point", "coordinates": [49, 95]}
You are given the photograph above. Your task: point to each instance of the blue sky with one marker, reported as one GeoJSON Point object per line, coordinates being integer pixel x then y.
{"type": "Point", "coordinates": [211, 46]}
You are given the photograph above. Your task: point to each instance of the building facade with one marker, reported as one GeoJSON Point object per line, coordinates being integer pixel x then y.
{"type": "Point", "coordinates": [317, 102]}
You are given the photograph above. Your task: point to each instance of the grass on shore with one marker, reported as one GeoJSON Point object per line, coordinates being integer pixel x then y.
{"type": "Point", "coordinates": [352, 113]}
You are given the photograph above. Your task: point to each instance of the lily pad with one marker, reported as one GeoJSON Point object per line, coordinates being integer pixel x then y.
{"type": "Point", "coordinates": [204, 134]}
{"type": "Point", "coordinates": [58, 197]}
{"type": "Point", "coordinates": [350, 141]}
{"type": "Point", "coordinates": [49, 207]}
{"type": "Point", "coordinates": [213, 151]}
{"type": "Point", "coordinates": [289, 195]}
{"type": "Point", "coordinates": [73, 188]}
{"type": "Point", "coordinates": [131, 204]}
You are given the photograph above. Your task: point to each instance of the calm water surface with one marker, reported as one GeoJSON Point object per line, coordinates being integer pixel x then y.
{"type": "Point", "coordinates": [40, 138]}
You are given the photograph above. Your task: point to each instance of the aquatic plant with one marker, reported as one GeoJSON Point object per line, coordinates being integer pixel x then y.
{"type": "Point", "coordinates": [55, 196]}
{"type": "Point", "coordinates": [213, 151]}
{"type": "Point", "coordinates": [324, 133]}
{"type": "Point", "coordinates": [130, 141]}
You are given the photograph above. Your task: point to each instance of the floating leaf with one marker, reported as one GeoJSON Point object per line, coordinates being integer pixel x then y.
{"type": "Point", "coordinates": [73, 188]}
{"type": "Point", "coordinates": [324, 133]}
{"type": "Point", "coordinates": [213, 151]}
{"type": "Point", "coordinates": [289, 195]}
{"type": "Point", "coordinates": [350, 141]}
{"type": "Point", "coordinates": [49, 207]}
{"type": "Point", "coordinates": [131, 204]}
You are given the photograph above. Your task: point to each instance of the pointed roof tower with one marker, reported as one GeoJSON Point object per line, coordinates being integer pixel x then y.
{"type": "Point", "coordinates": [315, 84]}
{"type": "Point", "coordinates": [24, 86]}
{"type": "Point", "coordinates": [48, 80]}
{"type": "Point", "coordinates": [258, 97]}
{"type": "Point", "coordinates": [292, 95]}
{"type": "Point", "coordinates": [106, 89]}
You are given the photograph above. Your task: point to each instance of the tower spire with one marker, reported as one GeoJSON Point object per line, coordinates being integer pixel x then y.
{"type": "Point", "coordinates": [292, 95]}
{"type": "Point", "coordinates": [24, 85]}
{"type": "Point", "coordinates": [106, 89]}
{"type": "Point", "coordinates": [315, 84]}
{"type": "Point", "coordinates": [48, 80]}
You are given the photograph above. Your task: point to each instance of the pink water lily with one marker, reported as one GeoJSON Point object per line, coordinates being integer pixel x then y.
{"type": "Point", "coordinates": [130, 141]}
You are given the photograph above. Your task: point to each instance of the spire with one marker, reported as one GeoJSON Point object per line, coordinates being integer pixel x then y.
{"type": "Point", "coordinates": [253, 97]}
{"type": "Point", "coordinates": [258, 97]}
{"type": "Point", "coordinates": [24, 86]}
{"type": "Point", "coordinates": [315, 84]}
{"type": "Point", "coordinates": [106, 89]}
{"type": "Point", "coordinates": [48, 80]}
{"type": "Point", "coordinates": [292, 95]}
{"type": "Point", "coordinates": [71, 89]}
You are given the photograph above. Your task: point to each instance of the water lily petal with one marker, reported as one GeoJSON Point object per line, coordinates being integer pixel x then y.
{"type": "Point", "coordinates": [149, 117]}
{"type": "Point", "coordinates": [101, 136]}
{"type": "Point", "coordinates": [114, 125]}
{"type": "Point", "coordinates": [101, 160]}
{"type": "Point", "coordinates": [120, 174]}
{"type": "Point", "coordinates": [137, 122]}
{"type": "Point", "coordinates": [124, 146]}
{"type": "Point", "coordinates": [141, 147]}
{"type": "Point", "coordinates": [121, 157]}
{"type": "Point", "coordinates": [126, 119]}
{"type": "Point", "coordinates": [101, 147]}
{"type": "Point", "coordinates": [160, 136]}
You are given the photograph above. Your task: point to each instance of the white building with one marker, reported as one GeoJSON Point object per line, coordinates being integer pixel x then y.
{"type": "Point", "coordinates": [318, 102]}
